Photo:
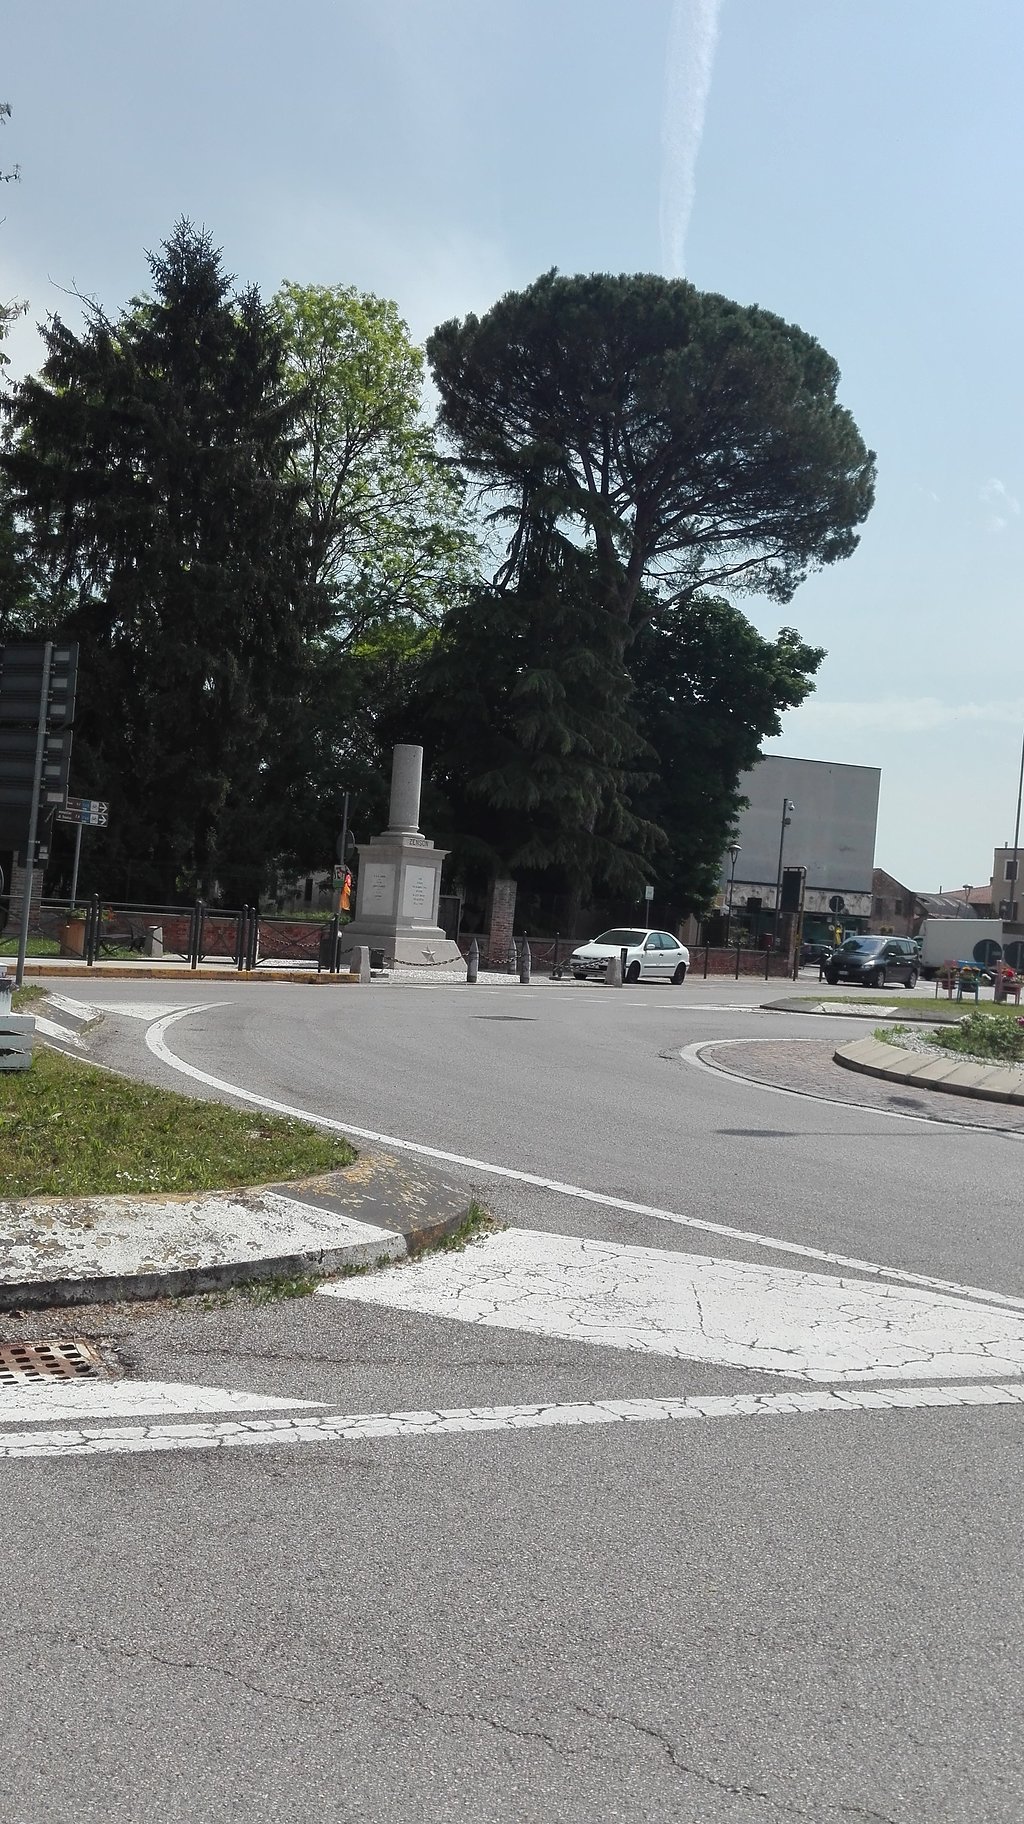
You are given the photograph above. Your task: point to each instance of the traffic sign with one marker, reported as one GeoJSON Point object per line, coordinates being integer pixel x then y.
{"type": "Point", "coordinates": [90, 811]}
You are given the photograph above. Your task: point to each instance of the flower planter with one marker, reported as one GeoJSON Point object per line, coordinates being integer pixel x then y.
{"type": "Point", "coordinates": [71, 937]}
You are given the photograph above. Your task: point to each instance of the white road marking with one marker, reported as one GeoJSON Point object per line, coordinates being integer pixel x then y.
{"type": "Point", "coordinates": [359, 1427]}
{"type": "Point", "coordinates": [694, 1054]}
{"type": "Point", "coordinates": [807, 1326]}
{"type": "Point", "coordinates": [52, 1029]}
{"type": "Point", "coordinates": [157, 1044]}
{"type": "Point", "coordinates": [134, 1010]}
{"type": "Point", "coordinates": [45, 1401]}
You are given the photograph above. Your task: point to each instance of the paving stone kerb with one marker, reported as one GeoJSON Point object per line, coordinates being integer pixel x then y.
{"type": "Point", "coordinates": [987, 1082]}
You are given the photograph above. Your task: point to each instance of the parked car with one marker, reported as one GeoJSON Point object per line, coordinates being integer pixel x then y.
{"type": "Point", "coordinates": [816, 952]}
{"type": "Point", "coordinates": [651, 956]}
{"type": "Point", "coordinates": [873, 961]}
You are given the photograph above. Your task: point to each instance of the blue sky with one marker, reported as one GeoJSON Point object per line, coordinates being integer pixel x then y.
{"type": "Point", "coordinates": [854, 165]}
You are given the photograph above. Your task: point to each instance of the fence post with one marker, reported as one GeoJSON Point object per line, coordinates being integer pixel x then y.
{"type": "Point", "coordinates": [472, 962]}
{"type": "Point", "coordinates": [706, 949]}
{"type": "Point", "coordinates": [198, 934]}
{"type": "Point", "coordinates": [252, 955]}
{"type": "Point", "coordinates": [92, 933]}
{"type": "Point", "coordinates": [554, 960]}
{"type": "Point", "coordinates": [737, 962]}
{"type": "Point", "coordinates": [240, 924]}
{"type": "Point", "coordinates": [767, 963]}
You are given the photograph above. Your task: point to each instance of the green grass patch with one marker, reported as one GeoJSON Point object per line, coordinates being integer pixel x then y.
{"type": "Point", "coordinates": [37, 946]}
{"type": "Point", "coordinates": [69, 1130]}
{"type": "Point", "coordinates": [985, 1035]}
{"type": "Point", "coordinates": [475, 1224]}
{"type": "Point", "coordinates": [23, 997]}
{"type": "Point", "coordinates": [890, 1035]}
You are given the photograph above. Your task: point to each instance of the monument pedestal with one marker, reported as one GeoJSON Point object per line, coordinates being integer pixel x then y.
{"type": "Point", "coordinates": [400, 881]}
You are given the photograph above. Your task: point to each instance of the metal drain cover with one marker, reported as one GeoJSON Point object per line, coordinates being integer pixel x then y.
{"type": "Point", "coordinates": [23, 1364]}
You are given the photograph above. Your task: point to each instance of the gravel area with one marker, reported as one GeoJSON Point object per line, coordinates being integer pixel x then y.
{"type": "Point", "coordinates": [808, 1066]}
{"type": "Point", "coordinates": [919, 1041]}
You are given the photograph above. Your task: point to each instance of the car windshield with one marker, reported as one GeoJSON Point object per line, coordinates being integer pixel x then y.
{"type": "Point", "coordinates": [863, 945]}
{"type": "Point", "coordinates": [620, 937]}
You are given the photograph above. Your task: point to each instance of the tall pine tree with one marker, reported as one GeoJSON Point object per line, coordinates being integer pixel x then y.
{"type": "Point", "coordinates": [148, 462]}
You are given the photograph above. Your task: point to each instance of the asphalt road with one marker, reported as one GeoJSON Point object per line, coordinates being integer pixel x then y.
{"type": "Point", "coordinates": [743, 1618]}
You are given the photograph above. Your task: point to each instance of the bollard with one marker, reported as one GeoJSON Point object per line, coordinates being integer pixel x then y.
{"type": "Point", "coordinates": [359, 963]}
{"type": "Point", "coordinates": [525, 960]}
{"type": "Point", "coordinates": [513, 959]}
{"type": "Point", "coordinates": [472, 962]}
{"type": "Point", "coordinates": [613, 973]}
{"type": "Point", "coordinates": [556, 967]}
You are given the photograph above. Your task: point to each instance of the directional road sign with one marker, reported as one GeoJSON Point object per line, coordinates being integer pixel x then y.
{"type": "Point", "coordinates": [90, 811]}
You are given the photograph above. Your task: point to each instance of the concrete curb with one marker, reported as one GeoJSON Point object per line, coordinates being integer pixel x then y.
{"type": "Point", "coordinates": [56, 1252]}
{"type": "Point", "coordinates": [983, 1082]}
{"type": "Point", "coordinates": [36, 970]}
{"type": "Point", "coordinates": [931, 1014]}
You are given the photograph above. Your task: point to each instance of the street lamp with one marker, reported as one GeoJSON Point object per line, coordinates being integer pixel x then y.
{"type": "Point", "coordinates": [787, 806]}
{"type": "Point", "coordinates": [734, 849]}
{"type": "Point", "coordinates": [967, 895]}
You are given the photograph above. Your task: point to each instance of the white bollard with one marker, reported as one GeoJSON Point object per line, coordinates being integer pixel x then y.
{"type": "Point", "coordinates": [359, 962]}
{"type": "Point", "coordinates": [613, 975]}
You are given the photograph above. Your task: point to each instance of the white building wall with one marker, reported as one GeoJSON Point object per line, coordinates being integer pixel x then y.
{"type": "Point", "coordinates": [831, 832]}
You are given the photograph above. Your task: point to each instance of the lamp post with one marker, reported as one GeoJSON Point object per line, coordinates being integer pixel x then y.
{"type": "Point", "coordinates": [967, 896]}
{"type": "Point", "coordinates": [734, 849]}
{"type": "Point", "coordinates": [787, 806]}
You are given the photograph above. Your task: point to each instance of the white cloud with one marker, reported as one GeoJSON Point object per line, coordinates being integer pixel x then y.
{"type": "Point", "coordinates": [693, 35]}
{"type": "Point", "coordinates": [1003, 506]}
{"type": "Point", "coordinates": [902, 715]}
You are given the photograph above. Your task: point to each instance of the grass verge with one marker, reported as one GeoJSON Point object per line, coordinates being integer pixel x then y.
{"type": "Point", "coordinates": [941, 1009]}
{"type": "Point", "coordinates": [69, 1130]}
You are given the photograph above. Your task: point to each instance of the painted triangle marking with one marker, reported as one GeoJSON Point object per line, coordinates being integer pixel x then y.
{"type": "Point", "coordinates": [776, 1320]}
{"type": "Point", "coordinates": [86, 1400]}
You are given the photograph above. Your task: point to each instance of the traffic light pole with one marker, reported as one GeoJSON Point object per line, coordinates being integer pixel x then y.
{"type": "Point", "coordinates": [28, 859]}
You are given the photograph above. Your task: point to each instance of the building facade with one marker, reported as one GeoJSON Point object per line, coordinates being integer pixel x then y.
{"type": "Point", "coordinates": [829, 831]}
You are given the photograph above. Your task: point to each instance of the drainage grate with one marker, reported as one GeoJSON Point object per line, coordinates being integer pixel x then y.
{"type": "Point", "coordinates": [26, 1363]}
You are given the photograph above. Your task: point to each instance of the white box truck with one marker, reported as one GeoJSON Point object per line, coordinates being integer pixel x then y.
{"type": "Point", "coordinates": [959, 940]}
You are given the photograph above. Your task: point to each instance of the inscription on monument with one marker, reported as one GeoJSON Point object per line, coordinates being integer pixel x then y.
{"type": "Point", "coordinates": [379, 890]}
{"type": "Point", "coordinates": [418, 894]}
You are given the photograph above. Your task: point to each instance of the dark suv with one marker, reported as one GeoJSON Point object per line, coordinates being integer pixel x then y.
{"type": "Point", "coordinates": [873, 961]}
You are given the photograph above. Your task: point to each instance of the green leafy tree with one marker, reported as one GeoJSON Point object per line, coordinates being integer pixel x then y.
{"type": "Point", "coordinates": [692, 443]}
{"type": "Point", "coordinates": [149, 464]}
{"type": "Point", "coordinates": [388, 535]}
{"type": "Point", "coordinates": [708, 690]}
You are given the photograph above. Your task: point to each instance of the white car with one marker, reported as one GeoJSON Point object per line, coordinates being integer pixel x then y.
{"type": "Point", "coordinates": [651, 956]}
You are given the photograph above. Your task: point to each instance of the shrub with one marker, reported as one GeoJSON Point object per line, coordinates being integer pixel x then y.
{"type": "Point", "coordinates": [985, 1035]}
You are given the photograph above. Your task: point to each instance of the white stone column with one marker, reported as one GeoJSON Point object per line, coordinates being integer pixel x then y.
{"type": "Point", "coordinates": [406, 782]}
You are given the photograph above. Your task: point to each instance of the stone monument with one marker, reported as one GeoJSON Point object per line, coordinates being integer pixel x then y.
{"type": "Point", "coordinates": [400, 881]}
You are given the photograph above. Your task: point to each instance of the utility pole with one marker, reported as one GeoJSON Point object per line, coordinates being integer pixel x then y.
{"type": "Point", "coordinates": [787, 806]}
{"type": "Point", "coordinates": [28, 859]}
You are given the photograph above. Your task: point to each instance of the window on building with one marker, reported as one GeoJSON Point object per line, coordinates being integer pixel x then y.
{"type": "Point", "coordinates": [878, 906]}
{"type": "Point", "coordinates": [1010, 868]}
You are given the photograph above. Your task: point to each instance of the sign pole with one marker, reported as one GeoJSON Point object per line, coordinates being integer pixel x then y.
{"type": "Point", "coordinates": [78, 856]}
{"type": "Point", "coordinates": [28, 859]}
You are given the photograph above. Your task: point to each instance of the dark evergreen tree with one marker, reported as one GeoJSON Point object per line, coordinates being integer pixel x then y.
{"type": "Point", "coordinates": [526, 707]}
{"type": "Point", "coordinates": [708, 690]}
{"type": "Point", "coordinates": [148, 464]}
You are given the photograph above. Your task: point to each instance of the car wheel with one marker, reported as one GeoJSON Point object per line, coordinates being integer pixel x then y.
{"type": "Point", "coordinates": [633, 972]}
{"type": "Point", "coordinates": [680, 975]}
{"type": "Point", "coordinates": [878, 979]}
{"type": "Point", "coordinates": [832, 980]}
{"type": "Point", "coordinates": [912, 979]}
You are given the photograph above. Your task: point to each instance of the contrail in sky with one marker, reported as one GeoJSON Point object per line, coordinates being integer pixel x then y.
{"type": "Point", "coordinates": [692, 37]}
